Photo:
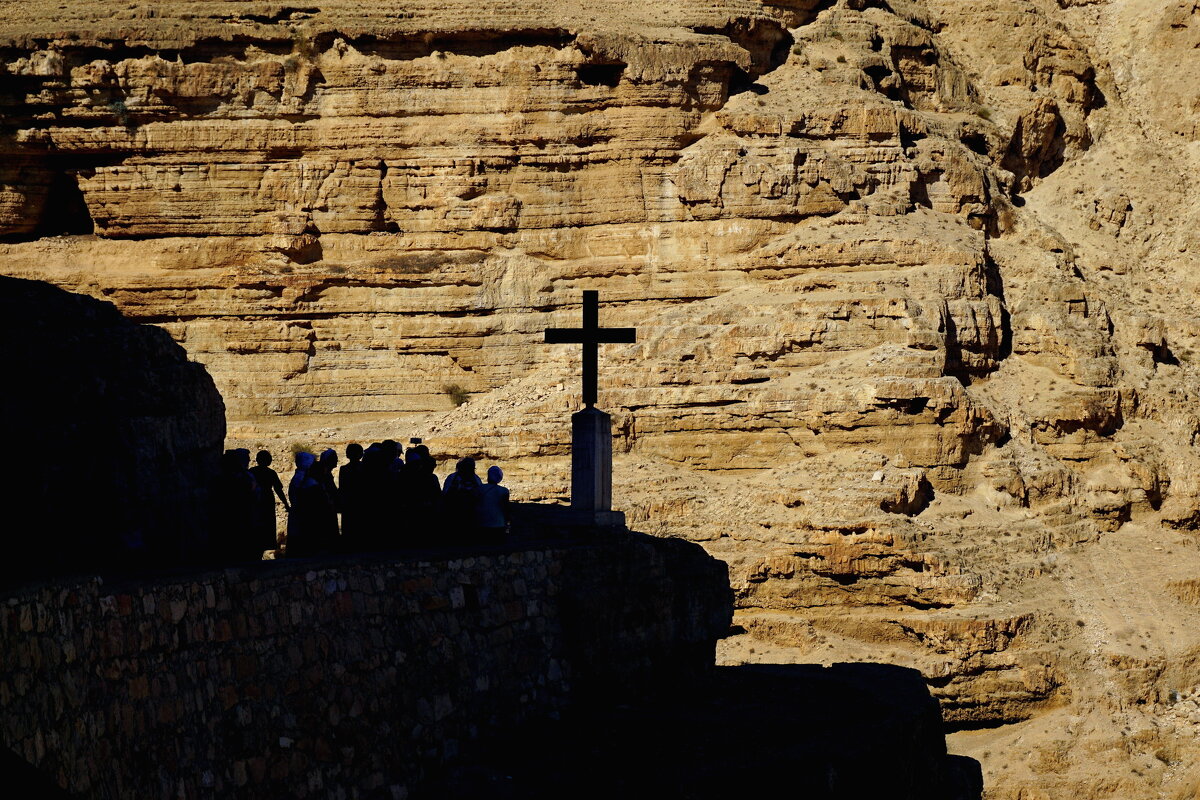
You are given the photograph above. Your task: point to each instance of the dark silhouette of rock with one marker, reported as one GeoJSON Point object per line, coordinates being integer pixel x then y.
{"type": "Point", "coordinates": [119, 437]}
{"type": "Point", "coordinates": [844, 732]}
{"type": "Point", "coordinates": [16, 771]}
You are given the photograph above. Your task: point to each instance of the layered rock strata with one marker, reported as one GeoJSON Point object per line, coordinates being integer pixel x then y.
{"type": "Point", "coordinates": [912, 282]}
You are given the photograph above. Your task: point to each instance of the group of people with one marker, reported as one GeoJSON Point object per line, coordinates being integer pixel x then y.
{"type": "Point", "coordinates": [386, 498]}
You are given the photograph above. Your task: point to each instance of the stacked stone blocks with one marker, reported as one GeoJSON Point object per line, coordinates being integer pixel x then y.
{"type": "Point", "coordinates": [343, 678]}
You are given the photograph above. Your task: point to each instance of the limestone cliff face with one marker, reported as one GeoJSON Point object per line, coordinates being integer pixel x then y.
{"type": "Point", "coordinates": [912, 282]}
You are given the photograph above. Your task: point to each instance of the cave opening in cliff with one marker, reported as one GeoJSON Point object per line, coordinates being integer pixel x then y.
{"type": "Point", "coordinates": [601, 74]}
{"type": "Point", "coordinates": [741, 81]}
{"type": "Point", "coordinates": [65, 212]}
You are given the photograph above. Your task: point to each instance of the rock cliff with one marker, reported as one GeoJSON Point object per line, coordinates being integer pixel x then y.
{"type": "Point", "coordinates": [114, 436]}
{"type": "Point", "coordinates": [913, 283]}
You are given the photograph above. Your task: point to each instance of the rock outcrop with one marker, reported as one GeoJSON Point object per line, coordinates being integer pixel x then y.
{"type": "Point", "coordinates": [115, 436]}
{"type": "Point", "coordinates": [912, 281]}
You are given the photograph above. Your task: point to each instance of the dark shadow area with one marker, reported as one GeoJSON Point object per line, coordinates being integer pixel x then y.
{"type": "Point", "coordinates": [432, 654]}
{"type": "Point", "coordinates": [910, 506]}
{"type": "Point", "coordinates": [65, 212]}
{"type": "Point", "coordinates": [976, 142]}
{"type": "Point", "coordinates": [18, 775]}
{"type": "Point", "coordinates": [600, 74]}
{"type": "Point", "coordinates": [478, 43]}
{"type": "Point", "coordinates": [741, 81]}
{"type": "Point", "coordinates": [1034, 153]}
{"type": "Point", "coordinates": [918, 192]}
{"type": "Point", "coordinates": [1162, 355]}
{"type": "Point", "coordinates": [879, 74]}
{"type": "Point", "coordinates": [535, 526]}
{"type": "Point", "coordinates": [115, 433]}
{"type": "Point", "coordinates": [846, 731]}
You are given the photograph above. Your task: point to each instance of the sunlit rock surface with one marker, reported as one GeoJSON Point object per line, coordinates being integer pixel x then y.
{"type": "Point", "coordinates": [913, 283]}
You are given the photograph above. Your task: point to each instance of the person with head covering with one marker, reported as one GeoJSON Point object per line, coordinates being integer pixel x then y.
{"type": "Point", "coordinates": [392, 455]}
{"type": "Point", "coordinates": [307, 497]}
{"type": "Point", "coordinates": [328, 535]}
{"type": "Point", "coordinates": [391, 452]}
{"type": "Point", "coordinates": [491, 514]}
{"type": "Point", "coordinates": [460, 496]}
{"type": "Point", "coordinates": [397, 466]}
{"type": "Point", "coordinates": [269, 487]}
{"type": "Point", "coordinates": [422, 497]}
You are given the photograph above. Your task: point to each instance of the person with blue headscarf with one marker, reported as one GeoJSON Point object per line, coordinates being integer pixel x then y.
{"type": "Point", "coordinates": [308, 501]}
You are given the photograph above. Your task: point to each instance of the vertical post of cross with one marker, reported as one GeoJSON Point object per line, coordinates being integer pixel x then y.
{"type": "Point", "coordinates": [591, 349]}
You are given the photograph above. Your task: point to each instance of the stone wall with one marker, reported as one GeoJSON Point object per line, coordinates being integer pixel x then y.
{"type": "Point", "coordinates": [338, 678]}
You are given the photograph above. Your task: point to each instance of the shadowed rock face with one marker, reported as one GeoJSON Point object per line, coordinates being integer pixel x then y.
{"type": "Point", "coordinates": [114, 436]}
{"type": "Point", "coordinates": [913, 282]}
{"type": "Point", "coordinates": [819, 726]}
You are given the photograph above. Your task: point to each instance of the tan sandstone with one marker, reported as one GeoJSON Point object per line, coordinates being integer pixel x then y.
{"type": "Point", "coordinates": [914, 284]}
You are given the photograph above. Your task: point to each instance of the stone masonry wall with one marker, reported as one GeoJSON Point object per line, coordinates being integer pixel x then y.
{"type": "Point", "coordinates": [337, 678]}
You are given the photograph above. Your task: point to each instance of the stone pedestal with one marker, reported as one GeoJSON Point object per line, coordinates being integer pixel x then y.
{"type": "Point", "coordinates": [591, 467]}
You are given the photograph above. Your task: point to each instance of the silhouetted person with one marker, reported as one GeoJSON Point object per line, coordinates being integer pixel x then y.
{"type": "Point", "coordinates": [350, 495]}
{"type": "Point", "coordinates": [328, 536]}
{"type": "Point", "coordinates": [394, 454]}
{"type": "Point", "coordinates": [236, 504]}
{"type": "Point", "coordinates": [376, 482]}
{"type": "Point", "coordinates": [269, 487]}
{"type": "Point", "coordinates": [423, 496]}
{"type": "Point", "coordinates": [460, 495]}
{"type": "Point", "coordinates": [392, 530]}
{"type": "Point", "coordinates": [491, 514]}
{"type": "Point", "coordinates": [328, 462]}
{"type": "Point", "coordinates": [308, 498]}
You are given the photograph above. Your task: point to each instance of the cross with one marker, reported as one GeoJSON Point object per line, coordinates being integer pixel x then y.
{"type": "Point", "coordinates": [590, 336]}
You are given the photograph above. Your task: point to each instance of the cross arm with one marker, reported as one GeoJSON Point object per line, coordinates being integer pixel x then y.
{"type": "Point", "coordinates": [564, 336]}
{"type": "Point", "coordinates": [583, 336]}
{"type": "Point", "coordinates": [615, 335]}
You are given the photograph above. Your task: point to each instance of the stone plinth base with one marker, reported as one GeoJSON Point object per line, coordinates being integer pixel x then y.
{"type": "Point", "coordinates": [533, 521]}
{"type": "Point", "coordinates": [591, 461]}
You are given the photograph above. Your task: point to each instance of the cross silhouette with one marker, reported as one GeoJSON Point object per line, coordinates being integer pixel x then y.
{"type": "Point", "coordinates": [591, 335]}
